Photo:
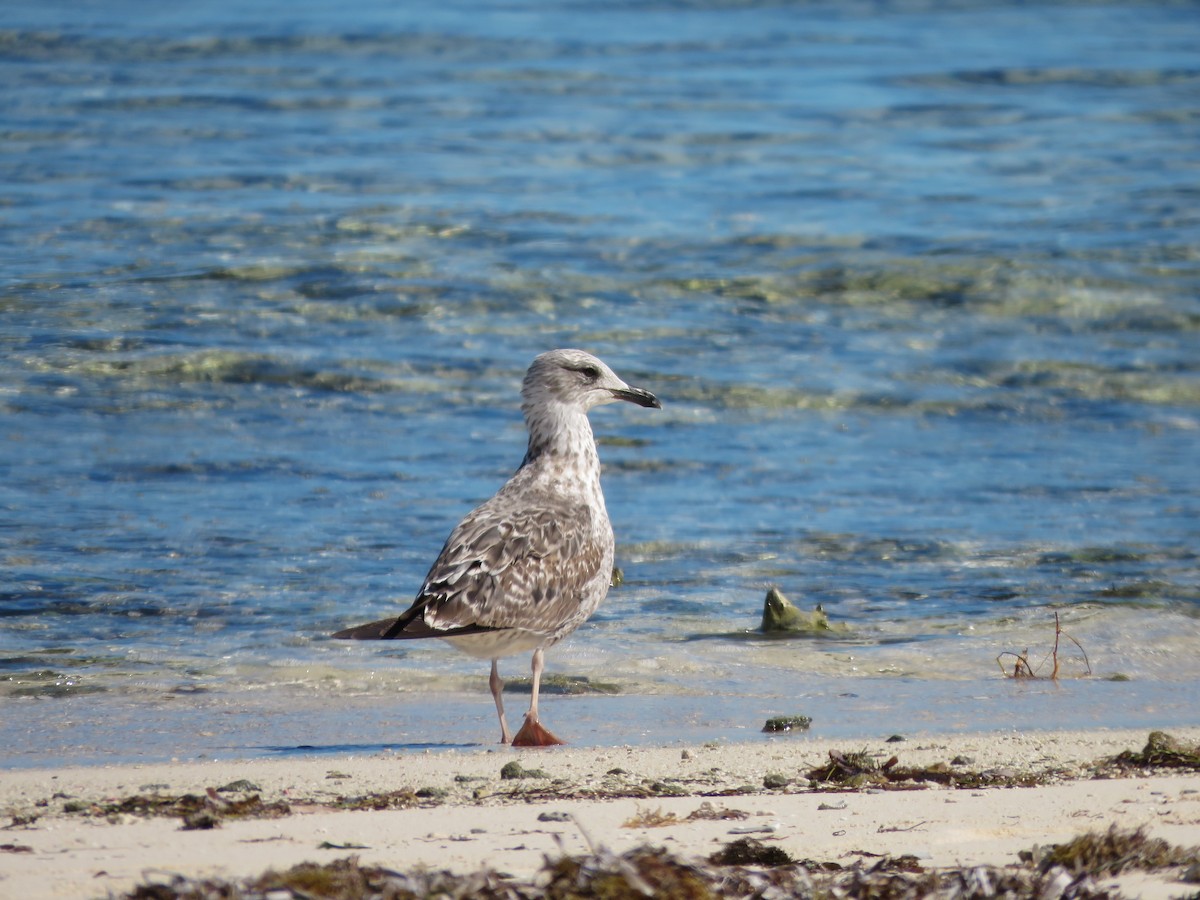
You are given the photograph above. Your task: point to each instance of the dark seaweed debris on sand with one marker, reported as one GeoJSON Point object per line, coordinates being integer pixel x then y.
{"type": "Point", "coordinates": [841, 772]}
{"type": "Point", "coordinates": [198, 811]}
{"type": "Point", "coordinates": [860, 769]}
{"type": "Point", "coordinates": [740, 870]}
{"type": "Point", "coordinates": [1162, 751]}
{"type": "Point", "coordinates": [1113, 852]}
{"type": "Point", "coordinates": [405, 798]}
{"type": "Point", "coordinates": [749, 852]}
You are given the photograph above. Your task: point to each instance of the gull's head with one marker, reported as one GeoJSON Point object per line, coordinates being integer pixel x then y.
{"type": "Point", "coordinates": [575, 379]}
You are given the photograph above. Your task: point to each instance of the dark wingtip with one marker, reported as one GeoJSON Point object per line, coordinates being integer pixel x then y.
{"type": "Point", "coordinates": [404, 627]}
{"type": "Point", "coordinates": [374, 631]}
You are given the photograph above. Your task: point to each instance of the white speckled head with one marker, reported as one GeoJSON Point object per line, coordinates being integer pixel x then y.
{"type": "Point", "coordinates": [559, 389]}
{"type": "Point", "coordinates": [576, 378]}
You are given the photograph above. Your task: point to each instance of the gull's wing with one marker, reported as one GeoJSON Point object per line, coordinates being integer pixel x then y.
{"type": "Point", "coordinates": [503, 567]}
{"type": "Point", "coordinates": [525, 567]}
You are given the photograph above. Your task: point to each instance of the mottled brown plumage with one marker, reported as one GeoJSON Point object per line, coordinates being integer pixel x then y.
{"type": "Point", "coordinates": [530, 565]}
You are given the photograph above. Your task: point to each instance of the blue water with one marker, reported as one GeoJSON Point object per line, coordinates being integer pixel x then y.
{"type": "Point", "coordinates": [918, 285]}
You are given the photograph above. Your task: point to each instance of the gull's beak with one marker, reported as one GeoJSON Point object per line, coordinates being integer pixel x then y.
{"type": "Point", "coordinates": [637, 395]}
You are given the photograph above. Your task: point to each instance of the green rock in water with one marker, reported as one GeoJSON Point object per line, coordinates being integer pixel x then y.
{"type": "Point", "coordinates": [787, 723]}
{"type": "Point", "coordinates": [780, 615]}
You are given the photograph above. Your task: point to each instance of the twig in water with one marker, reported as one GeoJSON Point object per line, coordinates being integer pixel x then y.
{"type": "Point", "coordinates": [1022, 667]}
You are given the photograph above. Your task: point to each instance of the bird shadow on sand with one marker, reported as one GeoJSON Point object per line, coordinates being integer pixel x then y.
{"type": "Point", "coordinates": [348, 749]}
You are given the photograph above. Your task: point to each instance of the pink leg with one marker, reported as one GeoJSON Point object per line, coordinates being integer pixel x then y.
{"type": "Point", "coordinates": [497, 686]}
{"type": "Point", "coordinates": [532, 734]}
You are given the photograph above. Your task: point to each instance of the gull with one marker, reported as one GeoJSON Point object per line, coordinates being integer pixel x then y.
{"type": "Point", "coordinates": [527, 567]}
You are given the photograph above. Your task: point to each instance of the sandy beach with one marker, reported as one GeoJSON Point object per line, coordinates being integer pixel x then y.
{"type": "Point", "coordinates": [83, 832]}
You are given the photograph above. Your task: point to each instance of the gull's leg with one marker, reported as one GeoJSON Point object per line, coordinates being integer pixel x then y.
{"type": "Point", "coordinates": [497, 686]}
{"type": "Point", "coordinates": [536, 666]}
{"type": "Point", "coordinates": [532, 734]}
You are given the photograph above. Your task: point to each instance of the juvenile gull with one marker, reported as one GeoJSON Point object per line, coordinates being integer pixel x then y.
{"type": "Point", "coordinates": [526, 568]}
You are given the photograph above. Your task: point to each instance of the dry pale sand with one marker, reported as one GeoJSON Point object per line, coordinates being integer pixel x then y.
{"type": "Point", "coordinates": [501, 823]}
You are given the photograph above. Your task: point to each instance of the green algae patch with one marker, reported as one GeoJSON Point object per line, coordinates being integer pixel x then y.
{"type": "Point", "coordinates": [571, 685]}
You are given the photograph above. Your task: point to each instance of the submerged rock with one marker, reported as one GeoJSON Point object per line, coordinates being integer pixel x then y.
{"type": "Point", "coordinates": [787, 723]}
{"type": "Point", "coordinates": [779, 614]}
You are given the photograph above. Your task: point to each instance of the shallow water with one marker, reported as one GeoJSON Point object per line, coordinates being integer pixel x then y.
{"type": "Point", "coordinates": [916, 282]}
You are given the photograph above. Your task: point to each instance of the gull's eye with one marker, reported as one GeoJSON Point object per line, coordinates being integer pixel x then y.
{"type": "Point", "coordinates": [591, 373]}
